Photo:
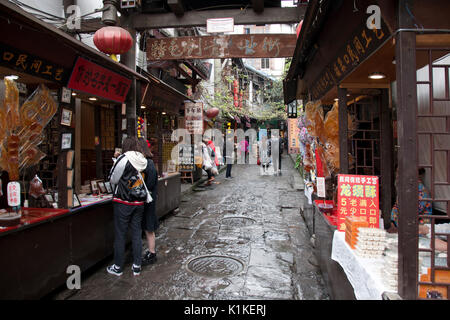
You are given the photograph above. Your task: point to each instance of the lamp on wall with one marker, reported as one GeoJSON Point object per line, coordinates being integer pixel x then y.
{"type": "Point", "coordinates": [292, 109]}
{"type": "Point", "coordinates": [377, 76]}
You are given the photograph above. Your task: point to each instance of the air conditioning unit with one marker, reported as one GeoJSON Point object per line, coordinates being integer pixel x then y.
{"type": "Point", "coordinates": [129, 4]}
{"type": "Point", "coordinates": [154, 6]}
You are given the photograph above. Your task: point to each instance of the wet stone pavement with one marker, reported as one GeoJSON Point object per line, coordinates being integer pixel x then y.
{"type": "Point", "coordinates": [240, 239]}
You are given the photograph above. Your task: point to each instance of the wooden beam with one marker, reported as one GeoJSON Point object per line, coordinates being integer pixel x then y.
{"type": "Point", "coordinates": [365, 85]}
{"type": "Point", "coordinates": [222, 46]}
{"type": "Point", "coordinates": [176, 6]}
{"type": "Point", "coordinates": [198, 18]}
{"type": "Point", "coordinates": [184, 73]}
{"type": "Point", "coordinates": [258, 5]}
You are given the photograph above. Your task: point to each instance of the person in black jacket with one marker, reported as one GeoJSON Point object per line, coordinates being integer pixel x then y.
{"type": "Point", "coordinates": [150, 221]}
{"type": "Point", "coordinates": [128, 202]}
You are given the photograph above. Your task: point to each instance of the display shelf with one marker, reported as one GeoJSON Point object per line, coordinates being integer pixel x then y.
{"type": "Point", "coordinates": [32, 216]}
{"type": "Point", "coordinates": [86, 200]}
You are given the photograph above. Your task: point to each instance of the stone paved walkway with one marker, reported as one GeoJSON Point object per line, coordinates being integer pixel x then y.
{"type": "Point", "coordinates": [251, 228]}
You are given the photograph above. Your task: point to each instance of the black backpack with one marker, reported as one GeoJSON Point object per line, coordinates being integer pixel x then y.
{"type": "Point", "coordinates": [137, 189]}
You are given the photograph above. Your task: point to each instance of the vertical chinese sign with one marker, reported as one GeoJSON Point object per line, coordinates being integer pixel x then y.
{"type": "Point", "coordinates": [358, 196]}
{"type": "Point", "coordinates": [293, 132]}
{"type": "Point", "coordinates": [193, 114]}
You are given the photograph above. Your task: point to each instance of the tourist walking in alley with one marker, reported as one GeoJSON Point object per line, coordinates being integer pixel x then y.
{"type": "Point", "coordinates": [275, 152]}
{"type": "Point", "coordinates": [229, 155]}
{"type": "Point", "coordinates": [264, 156]}
{"type": "Point", "coordinates": [207, 161]}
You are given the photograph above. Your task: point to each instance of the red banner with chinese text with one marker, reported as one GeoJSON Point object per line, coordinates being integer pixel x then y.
{"type": "Point", "coordinates": [93, 79]}
{"type": "Point", "coordinates": [358, 196]}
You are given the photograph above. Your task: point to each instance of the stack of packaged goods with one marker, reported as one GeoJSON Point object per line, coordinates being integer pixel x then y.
{"type": "Point", "coordinates": [352, 224]}
{"type": "Point", "coordinates": [371, 242]}
{"type": "Point", "coordinates": [390, 268]}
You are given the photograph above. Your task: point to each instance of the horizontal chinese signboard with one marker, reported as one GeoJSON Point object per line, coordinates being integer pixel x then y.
{"type": "Point", "coordinates": [222, 46]}
{"type": "Point", "coordinates": [357, 48]}
{"type": "Point", "coordinates": [193, 114]}
{"type": "Point", "coordinates": [32, 65]}
{"type": "Point", "coordinates": [358, 196]}
{"type": "Point", "coordinates": [93, 79]}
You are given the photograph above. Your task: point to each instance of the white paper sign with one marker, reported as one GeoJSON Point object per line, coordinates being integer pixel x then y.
{"type": "Point", "coordinates": [13, 194]}
{"type": "Point", "coordinates": [220, 25]}
{"type": "Point", "coordinates": [320, 187]}
{"type": "Point", "coordinates": [66, 94]}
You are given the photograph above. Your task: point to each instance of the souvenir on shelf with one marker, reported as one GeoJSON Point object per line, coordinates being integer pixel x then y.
{"type": "Point", "coordinates": [36, 188]}
{"type": "Point", "coordinates": [314, 115]}
{"type": "Point", "coordinates": [24, 127]}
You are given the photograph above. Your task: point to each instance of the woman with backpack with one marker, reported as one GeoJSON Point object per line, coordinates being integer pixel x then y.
{"type": "Point", "coordinates": [150, 221]}
{"type": "Point", "coordinates": [129, 197]}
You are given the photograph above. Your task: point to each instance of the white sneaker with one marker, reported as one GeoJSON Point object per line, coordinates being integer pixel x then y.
{"type": "Point", "coordinates": [115, 270]}
{"type": "Point", "coordinates": [136, 269]}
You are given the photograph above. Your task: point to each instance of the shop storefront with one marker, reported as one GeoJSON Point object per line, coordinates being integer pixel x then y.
{"type": "Point", "coordinates": [376, 110]}
{"type": "Point", "coordinates": [162, 113]}
{"type": "Point", "coordinates": [72, 110]}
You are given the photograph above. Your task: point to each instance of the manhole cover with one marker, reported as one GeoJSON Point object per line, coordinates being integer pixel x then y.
{"type": "Point", "coordinates": [215, 266]}
{"type": "Point", "coordinates": [237, 221]}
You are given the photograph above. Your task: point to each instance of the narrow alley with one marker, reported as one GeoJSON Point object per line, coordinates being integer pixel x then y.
{"type": "Point", "coordinates": [242, 238]}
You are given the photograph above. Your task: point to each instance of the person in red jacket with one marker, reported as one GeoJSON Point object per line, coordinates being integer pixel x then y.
{"type": "Point", "coordinates": [213, 147]}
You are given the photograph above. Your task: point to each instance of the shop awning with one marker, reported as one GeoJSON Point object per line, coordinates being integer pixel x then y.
{"type": "Point", "coordinates": [45, 41]}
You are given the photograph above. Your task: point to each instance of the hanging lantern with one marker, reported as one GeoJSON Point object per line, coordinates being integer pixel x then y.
{"type": "Point", "coordinates": [235, 91]}
{"type": "Point", "coordinates": [212, 113]}
{"type": "Point", "coordinates": [113, 40]}
{"type": "Point", "coordinates": [140, 127]}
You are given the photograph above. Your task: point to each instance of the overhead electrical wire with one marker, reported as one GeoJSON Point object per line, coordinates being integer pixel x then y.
{"type": "Point", "coordinates": [57, 21]}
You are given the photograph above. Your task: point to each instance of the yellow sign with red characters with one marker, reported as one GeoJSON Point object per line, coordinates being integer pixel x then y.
{"type": "Point", "coordinates": [358, 196]}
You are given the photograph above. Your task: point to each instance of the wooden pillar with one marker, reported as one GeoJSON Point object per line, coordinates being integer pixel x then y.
{"type": "Point", "coordinates": [98, 143]}
{"type": "Point", "coordinates": [405, 55]}
{"type": "Point", "coordinates": [77, 166]}
{"type": "Point", "coordinates": [387, 157]}
{"type": "Point", "coordinates": [62, 180]}
{"type": "Point", "coordinates": [343, 130]}
{"type": "Point", "coordinates": [129, 60]}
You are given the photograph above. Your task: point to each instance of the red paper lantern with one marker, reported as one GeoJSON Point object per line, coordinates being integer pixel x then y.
{"type": "Point", "coordinates": [299, 27]}
{"type": "Point", "coordinates": [212, 113]}
{"type": "Point", "coordinates": [113, 40]}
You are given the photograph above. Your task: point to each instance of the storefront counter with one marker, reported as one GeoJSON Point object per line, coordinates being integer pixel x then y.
{"type": "Point", "coordinates": [364, 274]}
{"type": "Point", "coordinates": [308, 215]}
{"type": "Point", "coordinates": [35, 254]}
{"type": "Point", "coordinates": [169, 194]}
{"type": "Point", "coordinates": [334, 276]}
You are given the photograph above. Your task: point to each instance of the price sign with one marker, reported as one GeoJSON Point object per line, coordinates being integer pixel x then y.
{"type": "Point", "coordinates": [13, 194]}
{"type": "Point", "coordinates": [96, 80]}
{"type": "Point", "coordinates": [194, 117]}
{"type": "Point", "coordinates": [358, 196]}
{"type": "Point", "coordinates": [321, 187]}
